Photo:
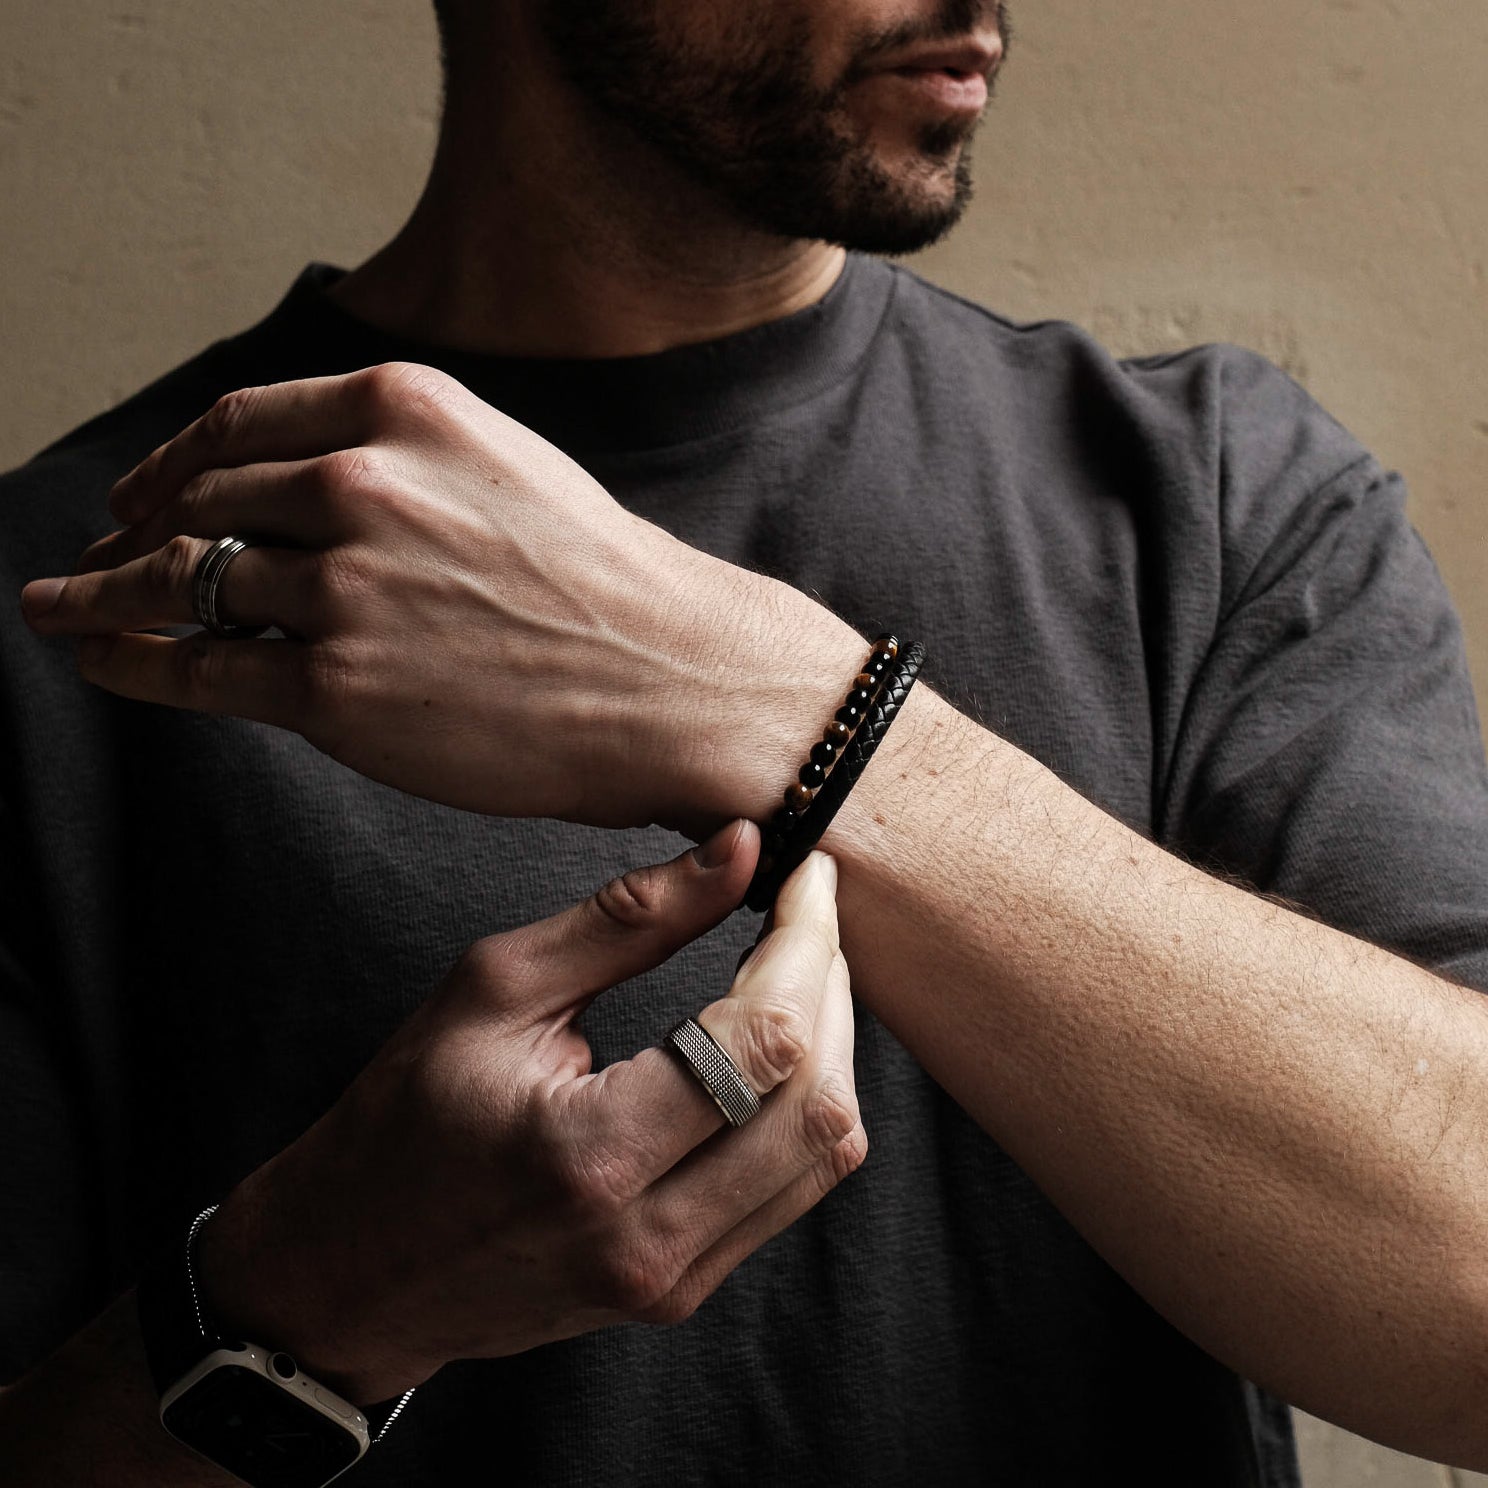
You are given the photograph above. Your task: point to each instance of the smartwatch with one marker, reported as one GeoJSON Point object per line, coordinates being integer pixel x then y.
{"type": "Point", "coordinates": [243, 1406]}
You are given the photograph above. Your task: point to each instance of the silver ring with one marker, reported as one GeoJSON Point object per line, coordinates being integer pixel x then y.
{"type": "Point", "coordinates": [715, 1071]}
{"type": "Point", "coordinates": [207, 580]}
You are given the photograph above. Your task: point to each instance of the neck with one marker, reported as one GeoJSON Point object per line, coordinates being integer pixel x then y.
{"type": "Point", "coordinates": [544, 231]}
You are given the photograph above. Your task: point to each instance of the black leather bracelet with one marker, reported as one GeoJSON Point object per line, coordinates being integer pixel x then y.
{"type": "Point", "coordinates": [812, 824]}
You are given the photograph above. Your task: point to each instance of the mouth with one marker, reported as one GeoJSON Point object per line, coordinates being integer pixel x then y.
{"type": "Point", "coordinates": [948, 77]}
{"type": "Point", "coordinates": [963, 60]}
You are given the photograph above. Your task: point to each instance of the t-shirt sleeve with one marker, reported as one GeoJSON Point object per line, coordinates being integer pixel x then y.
{"type": "Point", "coordinates": [1330, 751]}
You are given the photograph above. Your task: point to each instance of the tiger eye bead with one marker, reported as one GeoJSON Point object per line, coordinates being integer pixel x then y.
{"type": "Point", "coordinates": [824, 753]}
{"type": "Point", "coordinates": [865, 681]}
{"type": "Point", "coordinates": [837, 732]}
{"type": "Point", "coordinates": [811, 775]}
{"type": "Point", "coordinates": [886, 645]}
{"type": "Point", "coordinates": [798, 798]}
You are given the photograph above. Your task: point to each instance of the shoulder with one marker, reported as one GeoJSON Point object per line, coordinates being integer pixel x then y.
{"type": "Point", "coordinates": [1209, 392]}
{"type": "Point", "coordinates": [1215, 437]}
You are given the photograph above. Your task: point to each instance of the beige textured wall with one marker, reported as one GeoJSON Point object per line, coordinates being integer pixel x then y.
{"type": "Point", "coordinates": [1306, 179]}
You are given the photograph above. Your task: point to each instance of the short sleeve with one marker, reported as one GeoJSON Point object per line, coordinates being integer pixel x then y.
{"type": "Point", "coordinates": [1330, 750]}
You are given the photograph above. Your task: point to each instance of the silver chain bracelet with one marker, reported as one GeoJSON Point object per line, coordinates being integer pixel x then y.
{"type": "Point", "coordinates": [201, 1323]}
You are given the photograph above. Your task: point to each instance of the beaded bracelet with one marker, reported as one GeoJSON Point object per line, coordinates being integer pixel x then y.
{"type": "Point", "coordinates": [877, 694]}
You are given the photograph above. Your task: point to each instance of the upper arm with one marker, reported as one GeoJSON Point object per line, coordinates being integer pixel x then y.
{"type": "Point", "coordinates": [1331, 749]}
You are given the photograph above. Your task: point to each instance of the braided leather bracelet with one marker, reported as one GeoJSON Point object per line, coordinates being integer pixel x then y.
{"type": "Point", "coordinates": [812, 823]}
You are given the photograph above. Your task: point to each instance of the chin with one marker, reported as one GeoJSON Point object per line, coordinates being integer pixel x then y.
{"type": "Point", "coordinates": [902, 208]}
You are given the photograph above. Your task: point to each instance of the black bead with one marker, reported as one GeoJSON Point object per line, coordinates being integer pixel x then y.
{"type": "Point", "coordinates": [858, 698]}
{"type": "Point", "coordinates": [876, 666]}
{"type": "Point", "coordinates": [824, 753]}
{"type": "Point", "coordinates": [811, 775]}
{"type": "Point", "coordinates": [771, 842]}
{"type": "Point", "coordinates": [849, 715]}
{"type": "Point", "coordinates": [783, 820]}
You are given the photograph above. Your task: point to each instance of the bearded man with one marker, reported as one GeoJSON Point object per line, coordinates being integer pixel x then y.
{"type": "Point", "coordinates": [573, 509]}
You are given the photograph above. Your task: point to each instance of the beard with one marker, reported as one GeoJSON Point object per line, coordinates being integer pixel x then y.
{"type": "Point", "coordinates": [751, 126]}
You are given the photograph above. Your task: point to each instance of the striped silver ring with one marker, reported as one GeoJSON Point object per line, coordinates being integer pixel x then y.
{"type": "Point", "coordinates": [206, 581]}
{"type": "Point", "coordinates": [714, 1071]}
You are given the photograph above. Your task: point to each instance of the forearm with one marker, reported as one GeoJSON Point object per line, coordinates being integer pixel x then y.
{"type": "Point", "coordinates": [89, 1416]}
{"type": "Point", "coordinates": [1273, 1130]}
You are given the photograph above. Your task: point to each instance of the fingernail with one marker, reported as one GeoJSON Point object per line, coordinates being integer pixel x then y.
{"type": "Point", "coordinates": [719, 848]}
{"type": "Point", "coordinates": [826, 865]}
{"type": "Point", "coordinates": [40, 597]}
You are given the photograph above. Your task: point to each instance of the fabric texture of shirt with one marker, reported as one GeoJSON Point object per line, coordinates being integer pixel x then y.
{"type": "Point", "coordinates": [1174, 579]}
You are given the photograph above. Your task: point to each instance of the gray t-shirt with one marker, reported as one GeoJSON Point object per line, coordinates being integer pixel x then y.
{"type": "Point", "coordinates": [1174, 579]}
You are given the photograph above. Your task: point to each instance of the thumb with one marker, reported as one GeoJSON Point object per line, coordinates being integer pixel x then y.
{"type": "Point", "coordinates": [638, 920]}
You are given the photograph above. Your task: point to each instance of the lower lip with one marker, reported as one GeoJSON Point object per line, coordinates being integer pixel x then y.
{"type": "Point", "coordinates": [956, 92]}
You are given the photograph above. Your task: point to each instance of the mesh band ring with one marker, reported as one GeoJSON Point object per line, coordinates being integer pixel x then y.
{"type": "Point", "coordinates": [206, 580]}
{"type": "Point", "coordinates": [706, 1058]}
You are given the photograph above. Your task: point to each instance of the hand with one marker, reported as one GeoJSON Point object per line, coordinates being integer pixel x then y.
{"type": "Point", "coordinates": [477, 1191]}
{"type": "Point", "coordinates": [469, 615]}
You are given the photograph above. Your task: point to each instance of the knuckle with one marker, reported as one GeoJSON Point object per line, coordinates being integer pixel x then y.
{"type": "Point", "coordinates": [199, 664]}
{"type": "Point", "coordinates": [394, 390]}
{"type": "Point", "coordinates": [495, 961]}
{"type": "Point", "coordinates": [776, 1036]}
{"type": "Point", "coordinates": [634, 1280]}
{"type": "Point", "coordinates": [676, 1306]}
{"type": "Point", "coordinates": [172, 565]}
{"type": "Point", "coordinates": [632, 902]}
{"type": "Point", "coordinates": [229, 413]}
{"type": "Point", "coordinates": [353, 476]}
{"type": "Point", "coordinates": [849, 1154]}
{"type": "Point", "coordinates": [828, 1116]}
{"type": "Point", "coordinates": [197, 494]}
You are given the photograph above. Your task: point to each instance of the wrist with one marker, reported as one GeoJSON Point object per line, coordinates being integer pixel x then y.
{"type": "Point", "coordinates": [264, 1278]}
{"type": "Point", "coordinates": [777, 681]}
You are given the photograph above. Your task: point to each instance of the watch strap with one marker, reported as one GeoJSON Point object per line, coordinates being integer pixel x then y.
{"type": "Point", "coordinates": [177, 1329]}
{"type": "Point", "coordinates": [176, 1332]}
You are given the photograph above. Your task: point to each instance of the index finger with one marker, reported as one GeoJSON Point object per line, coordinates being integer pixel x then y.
{"type": "Point", "coordinates": [650, 1110]}
{"type": "Point", "coordinates": [280, 421]}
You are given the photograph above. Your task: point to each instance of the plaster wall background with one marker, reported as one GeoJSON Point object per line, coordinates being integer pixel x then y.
{"type": "Point", "coordinates": [1303, 179]}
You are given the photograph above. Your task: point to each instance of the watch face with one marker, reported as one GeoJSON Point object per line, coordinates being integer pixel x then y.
{"type": "Point", "coordinates": [265, 1435]}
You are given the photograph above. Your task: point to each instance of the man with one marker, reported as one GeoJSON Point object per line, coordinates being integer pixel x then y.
{"type": "Point", "coordinates": [1128, 1120]}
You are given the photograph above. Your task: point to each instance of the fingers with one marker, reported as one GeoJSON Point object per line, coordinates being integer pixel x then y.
{"type": "Point", "coordinates": [645, 1115]}
{"type": "Point", "coordinates": [283, 421]}
{"type": "Point", "coordinates": [307, 503]}
{"type": "Point", "coordinates": [766, 1020]}
{"type": "Point", "coordinates": [262, 586]}
{"type": "Point", "coordinates": [267, 681]}
{"type": "Point", "coordinates": [632, 924]}
{"type": "Point", "coordinates": [724, 1185]}
{"type": "Point", "coordinates": [708, 1272]}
